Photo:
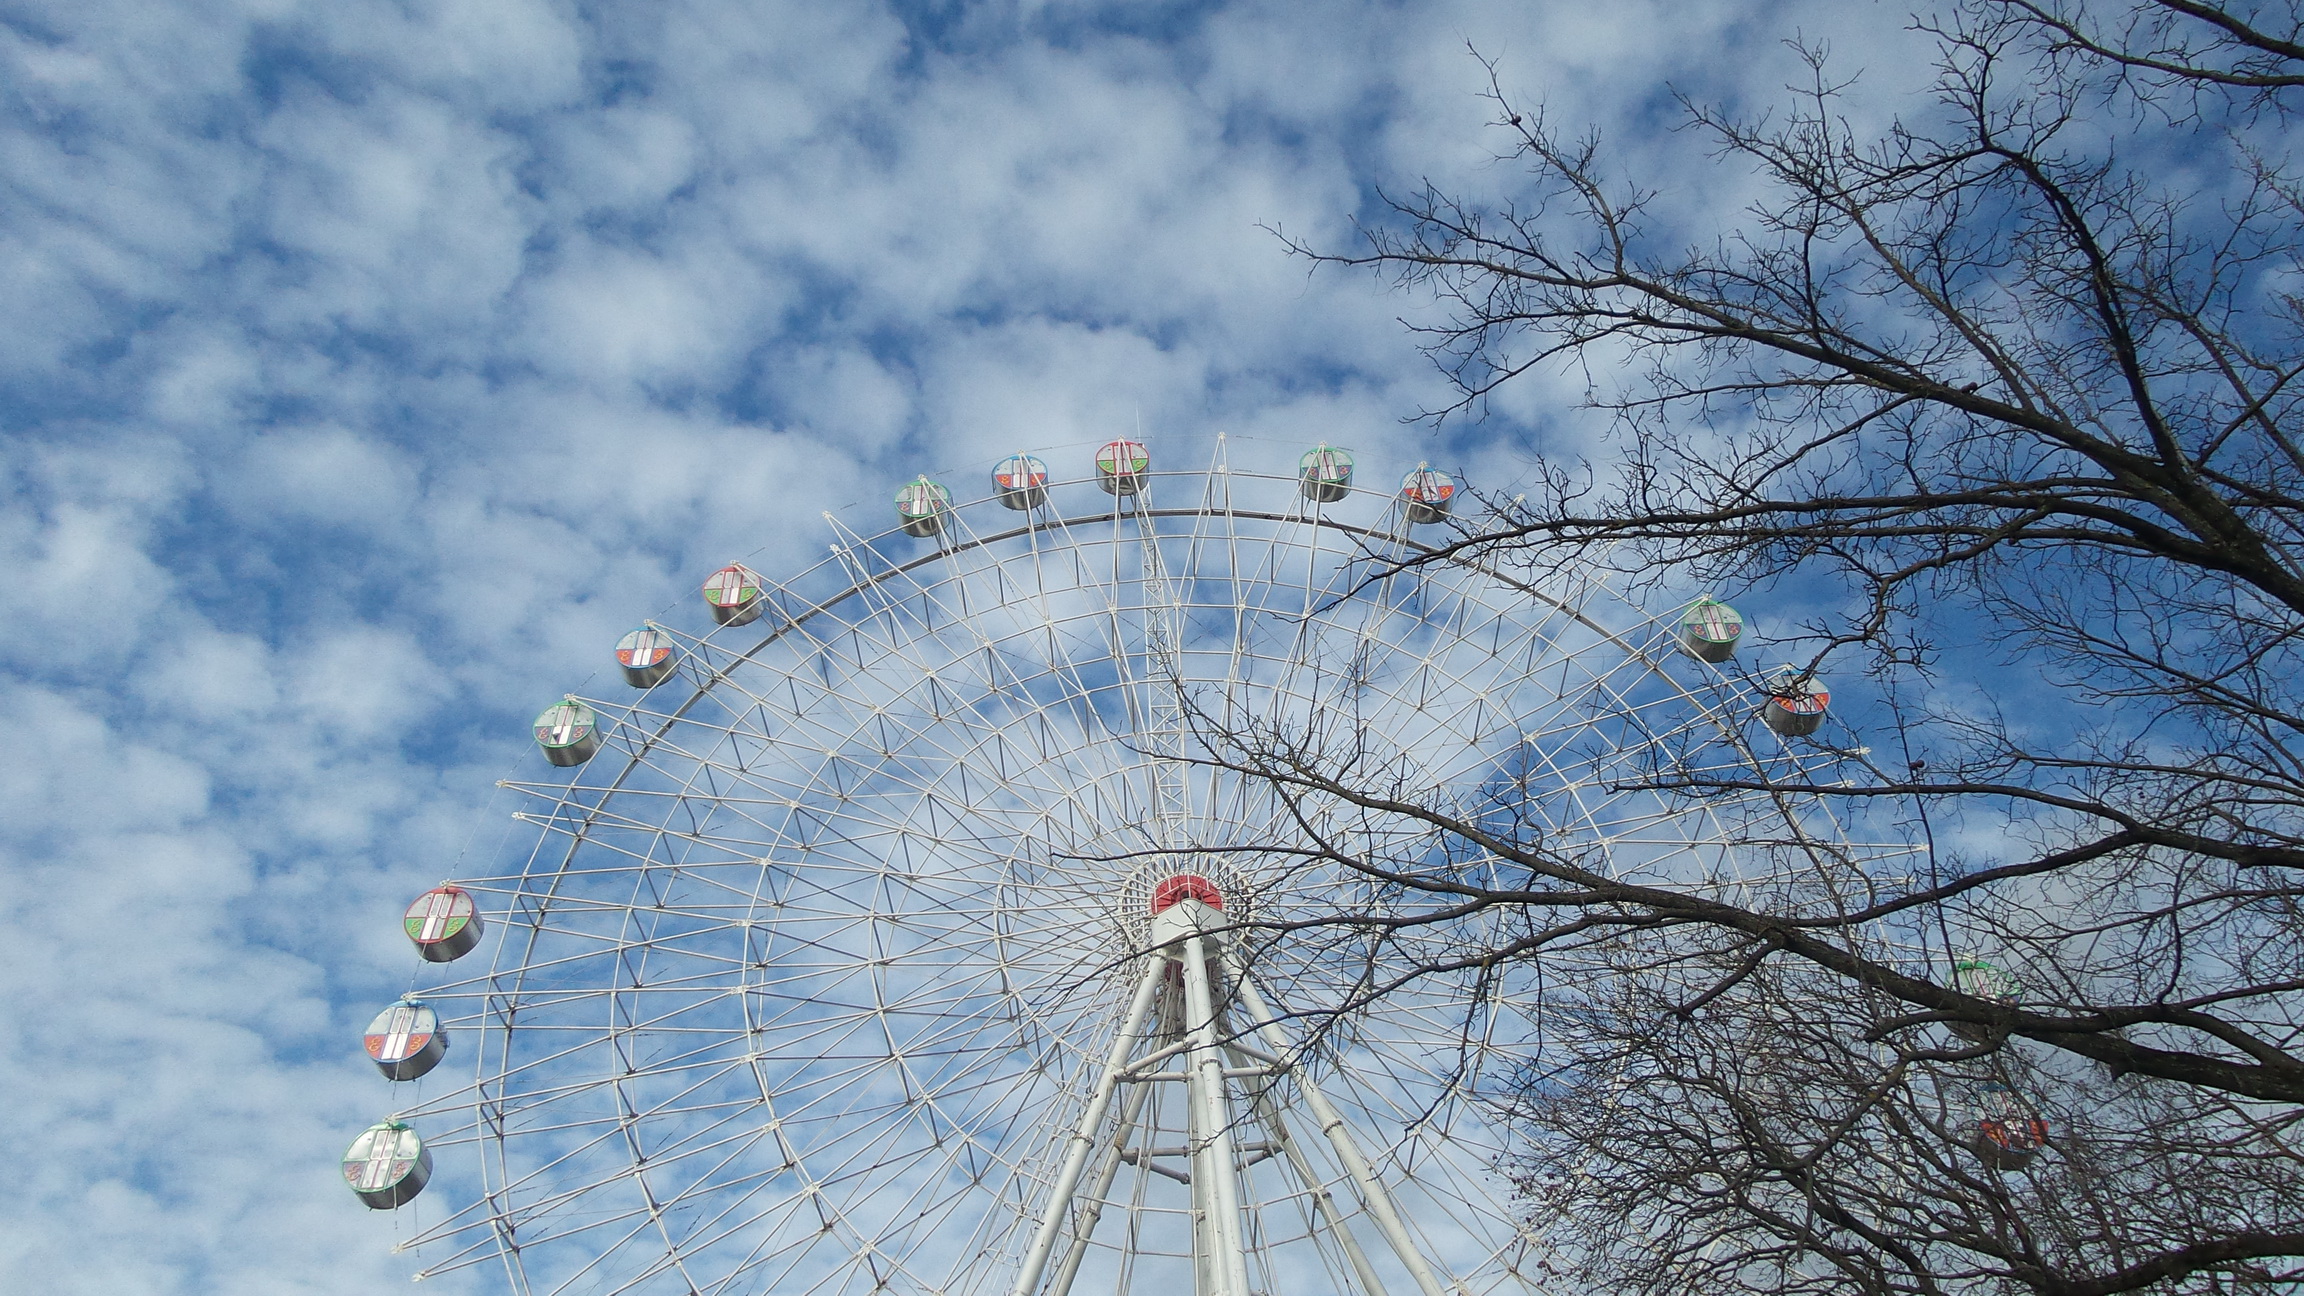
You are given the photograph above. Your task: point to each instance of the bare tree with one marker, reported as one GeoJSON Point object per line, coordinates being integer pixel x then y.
{"type": "Point", "coordinates": [2019, 377]}
{"type": "Point", "coordinates": [1776, 1144]}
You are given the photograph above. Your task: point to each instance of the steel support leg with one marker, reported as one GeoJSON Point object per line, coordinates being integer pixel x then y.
{"type": "Point", "coordinates": [1323, 1201]}
{"type": "Point", "coordinates": [1219, 1167]}
{"type": "Point", "coordinates": [1084, 1137]}
{"type": "Point", "coordinates": [1092, 1209]}
{"type": "Point", "coordinates": [1372, 1193]}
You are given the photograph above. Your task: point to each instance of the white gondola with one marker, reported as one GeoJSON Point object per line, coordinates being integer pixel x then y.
{"type": "Point", "coordinates": [2006, 1135]}
{"type": "Point", "coordinates": [1709, 631]}
{"type": "Point", "coordinates": [646, 656]}
{"type": "Point", "coordinates": [568, 732]}
{"type": "Point", "coordinates": [1796, 705]}
{"type": "Point", "coordinates": [1021, 481]}
{"type": "Point", "coordinates": [1977, 977]}
{"type": "Point", "coordinates": [1324, 474]}
{"type": "Point", "coordinates": [922, 505]}
{"type": "Point", "coordinates": [387, 1165]}
{"type": "Point", "coordinates": [733, 594]}
{"type": "Point", "coordinates": [1427, 494]}
{"type": "Point", "coordinates": [444, 923]}
{"type": "Point", "coordinates": [405, 1040]}
{"type": "Point", "coordinates": [1123, 467]}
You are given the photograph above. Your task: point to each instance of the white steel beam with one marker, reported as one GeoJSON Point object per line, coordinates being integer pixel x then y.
{"type": "Point", "coordinates": [1323, 1201]}
{"type": "Point", "coordinates": [1228, 1260]}
{"type": "Point", "coordinates": [1092, 1207]}
{"type": "Point", "coordinates": [1163, 685]}
{"type": "Point", "coordinates": [1084, 1136]}
{"type": "Point", "coordinates": [1373, 1195]}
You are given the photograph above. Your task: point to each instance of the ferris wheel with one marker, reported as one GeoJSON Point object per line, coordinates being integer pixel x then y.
{"type": "Point", "coordinates": [920, 924]}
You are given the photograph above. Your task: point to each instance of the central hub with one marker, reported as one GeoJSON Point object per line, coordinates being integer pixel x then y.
{"type": "Point", "coordinates": [1185, 886]}
{"type": "Point", "coordinates": [1187, 892]}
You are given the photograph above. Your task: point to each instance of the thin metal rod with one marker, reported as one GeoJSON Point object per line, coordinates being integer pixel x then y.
{"type": "Point", "coordinates": [1323, 1201]}
{"type": "Point", "coordinates": [1372, 1193]}
{"type": "Point", "coordinates": [1084, 1136]}
{"type": "Point", "coordinates": [1228, 1262]}
{"type": "Point", "coordinates": [1204, 1244]}
{"type": "Point", "coordinates": [1164, 699]}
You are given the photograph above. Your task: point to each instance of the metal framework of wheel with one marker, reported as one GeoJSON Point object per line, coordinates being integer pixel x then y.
{"type": "Point", "coordinates": [917, 935]}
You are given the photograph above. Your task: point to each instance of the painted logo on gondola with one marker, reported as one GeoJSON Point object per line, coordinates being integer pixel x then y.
{"type": "Point", "coordinates": [1021, 471]}
{"type": "Point", "coordinates": [564, 724]}
{"type": "Point", "coordinates": [1811, 701]}
{"type": "Point", "coordinates": [1123, 457]}
{"type": "Point", "coordinates": [406, 1041]}
{"type": "Point", "coordinates": [444, 923]}
{"type": "Point", "coordinates": [644, 648]}
{"type": "Point", "coordinates": [387, 1165]}
{"type": "Point", "coordinates": [1428, 487]}
{"type": "Point", "coordinates": [439, 914]}
{"type": "Point", "coordinates": [400, 1032]}
{"type": "Point", "coordinates": [732, 586]}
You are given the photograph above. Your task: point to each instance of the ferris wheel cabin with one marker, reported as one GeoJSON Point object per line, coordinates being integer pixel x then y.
{"type": "Point", "coordinates": [1981, 979]}
{"type": "Point", "coordinates": [1795, 706]}
{"type": "Point", "coordinates": [2007, 1135]}
{"type": "Point", "coordinates": [1123, 467]}
{"type": "Point", "coordinates": [387, 1165]}
{"type": "Point", "coordinates": [921, 506]}
{"type": "Point", "coordinates": [1427, 494]}
{"type": "Point", "coordinates": [1710, 630]}
{"type": "Point", "coordinates": [733, 594]}
{"type": "Point", "coordinates": [568, 732]}
{"type": "Point", "coordinates": [444, 924]}
{"type": "Point", "coordinates": [1021, 482]}
{"type": "Point", "coordinates": [1324, 474]}
{"type": "Point", "coordinates": [645, 655]}
{"type": "Point", "coordinates": [405, 1040]}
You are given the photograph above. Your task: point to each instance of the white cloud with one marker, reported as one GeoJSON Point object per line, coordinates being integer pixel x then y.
{"type": "Point", "coordinates": [623, 159]}
{"type": "Point", "coordinates": [213, 676]}
{"type": "Point", "coordinates": [326, 475]}
{"type": "Point", "coordinates": [616, 318]}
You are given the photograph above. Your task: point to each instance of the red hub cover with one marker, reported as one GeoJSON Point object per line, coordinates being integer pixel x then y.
{"type": "Point", "coordinates": [1186, 886]}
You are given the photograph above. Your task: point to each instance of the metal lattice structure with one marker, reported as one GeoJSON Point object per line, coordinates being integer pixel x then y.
{"type": "Point", "coordinates": [914, 935]}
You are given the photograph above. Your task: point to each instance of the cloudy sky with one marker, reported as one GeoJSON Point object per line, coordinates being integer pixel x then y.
{"type": "Point", "coordinates": [369, 366]}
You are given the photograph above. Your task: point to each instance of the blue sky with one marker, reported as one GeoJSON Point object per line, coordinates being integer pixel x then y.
{"type": "Point", "coordinates": [369, 367]}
